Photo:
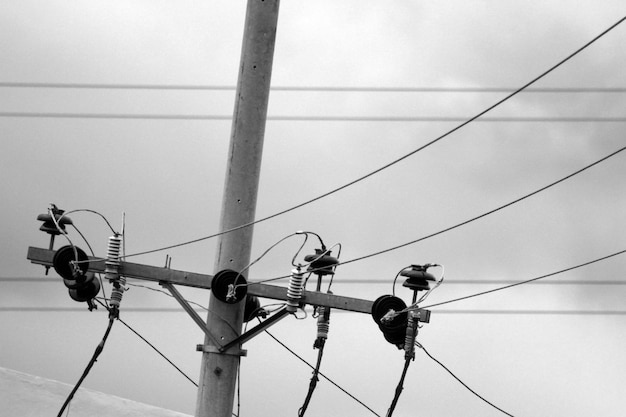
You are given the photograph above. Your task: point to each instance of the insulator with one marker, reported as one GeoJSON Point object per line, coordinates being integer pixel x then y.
{"type": "Point", "coordinates": [118, 292]}
{"type": "Point", "coordinates": [323, 323]}
{"type": "Point", "coordinates": [417, 278]}
{"type": "Point", "coordinates": [50, 224]}
{"type": "Point", "coordinates": [393, 324]}
{"type": "Point", "coordinates": [112, 263]}
{"type": "Point", "coordinates": [321, 263]}
{"type": "Point", "coordinates": [71, 263]}
{"type": "Point", "coordinates": [87, 290]}
{"type": "Point", "coordinates": [295, 290]}
{"type": "Point", "coordinates": [229, 286]}
{"type": "Point", "coordinates": [253, 309]}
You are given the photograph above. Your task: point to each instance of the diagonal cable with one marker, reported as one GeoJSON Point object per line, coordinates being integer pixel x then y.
{"type": "Point", "coordinates": [402, 158]}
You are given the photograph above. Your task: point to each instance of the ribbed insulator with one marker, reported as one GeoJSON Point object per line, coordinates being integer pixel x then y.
{"type": "Point", "coordinates": [295, 290]}
{"type": "Point", "coordinates": [323, 323]}
{"type": "Point", "coordinates": [117, 292]}
{"type": "Point", "coordinates": [112, 263]}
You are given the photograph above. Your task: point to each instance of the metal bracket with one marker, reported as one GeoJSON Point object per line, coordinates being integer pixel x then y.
{"type": "Point", "coordinates": [221, 351]}
{"type": "Point", "coordinates": [192, 313]}
{"type": "Point", "coordinates": [423, 315]}
{"type": "Point", "coordinates": [255, 330]}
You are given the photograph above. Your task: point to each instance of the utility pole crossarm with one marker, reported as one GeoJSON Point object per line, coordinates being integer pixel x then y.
{"type": "Point", "coordinates": [130, 270]}
{"type": "Point", "coordinates": [190, 279]}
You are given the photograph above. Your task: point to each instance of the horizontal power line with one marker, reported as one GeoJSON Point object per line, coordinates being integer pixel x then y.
{"type": "Point", "coordinates": [55, 280]}
{"type": "Point", "coordinates": [330, 89]}
{"type": "Point", "coordinates": [438, 311]}
{"type": "Point", "coordinates": [284, 118]}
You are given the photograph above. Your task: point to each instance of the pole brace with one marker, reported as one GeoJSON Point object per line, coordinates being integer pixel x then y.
{"type": "Point", "coordinates": [213, 349]}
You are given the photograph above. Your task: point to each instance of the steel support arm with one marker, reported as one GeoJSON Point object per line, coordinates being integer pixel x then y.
{"type": "Point", "coordinates": [190, 279]}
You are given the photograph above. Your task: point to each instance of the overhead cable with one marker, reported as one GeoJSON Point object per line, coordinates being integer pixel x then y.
{"type": "Point", "coordinates": [92, 361]}
{"type": "Point", "coordinates": [461, 382]}
{"type": "Point", "coordinates": [390, 119]}
{"type": "Point", "coordinates": [527, 281]}
{"type": "Point", "coordinates": [331, 89]}
{"type": "Point", "coordinates": [158, 351]}
{"type": "Point", "coordinates": [396, 161]}
{"type": "Point", "coordinates": [21, 309]}
{"type": "Point", "coordinates": [373, 281]}
{"type": "Point", "coordinates": [487, 213]}
{"type": "Point", "coordinates": [325, 377]}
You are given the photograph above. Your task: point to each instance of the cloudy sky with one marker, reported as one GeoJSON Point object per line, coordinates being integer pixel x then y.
{"type": "Point", "coordinates": [554, 348]}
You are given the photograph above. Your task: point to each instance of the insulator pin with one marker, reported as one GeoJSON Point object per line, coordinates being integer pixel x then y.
{"type": "Point", "coordinates": [295, 290]}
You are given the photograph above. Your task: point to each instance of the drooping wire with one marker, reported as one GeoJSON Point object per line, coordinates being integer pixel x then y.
{"type": "Point", "coordinates": [367, 89]}
{"type": "Point", "coordinates": [152, 346]}
{"type": "Point", "coordinates": [527, 281]}
{"type": "Point", "coordinates": [97, 353]}
{"type": "Point", "coordinates": [463, 223]}
{"type": "Point", "coordinates": [486, 213]}
{"type": "Point", "coordinates": [131, 284]}
{"type": "Point", "coordinates": [399, 388]}
{"type": "Point", "coordinates": [158, 351]}
{"type": "Point", "coordinates": [313, 383]}
{"type": "Point", "coordinates": [320, 373]}
{"type": "Point", "coordinates": [240, 273]}
{"type": "Point", "coordinates": [400, 159]}
{"type": "Point", "coordinates": [434, 287]}
{"type": "Point", "coordinates": [89, 211]}
{"type": "Point", "coordinates": [323, 327]}
{"type": "Point", "coordinates": [459, 380]}
{"type": "Point", "coordinates": [62, 232]}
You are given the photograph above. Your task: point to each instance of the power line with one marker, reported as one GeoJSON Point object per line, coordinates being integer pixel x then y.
{"type": "Point", "coordinates": [304, 118]}
{"type": "Point", "coordinates": [533, 312]}
{"type": "Point", "coordinates": [374, 281]}
{"type": "Point", "coordinates": [331, 89]}
{"type": "Point", "coordinates": [398, 160]}
{"type": "Point", "coordinates": [92, 361]}
{"type": "Point", "coordinates": [157, 351]}
{"type": "Point", "coordinates": [487, 213]}
{"type": "Point", "coordinates": [461, 382]}
{"type": "Point", "coordinates": [527, 281]}
{"type": "Point", "coordinates": [325, 377]}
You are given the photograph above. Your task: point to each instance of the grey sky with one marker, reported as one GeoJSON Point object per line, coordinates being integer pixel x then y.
{"type": "Point", "coordinates": [167, 177]}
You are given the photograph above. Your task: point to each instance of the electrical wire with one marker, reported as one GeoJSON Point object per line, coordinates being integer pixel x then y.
{"type": "Point", "coordinates": [97, 353]}
{"type": "Point", "coordinates": [16, 309]}
{"type": "Point", "coordinates": [415, 240]}
{"type": "Point", "coordinates": [486, 213]}
{"type": "Point", "coordinates": [463, 223]}
{"type": "Point", "coordinates": [286, 118]}
{"type": "Point", "coordinates": [461, 382]}
{"type": "Point", "coordinates": [365, 89]}
{"type": "Point", "coordinates": [527, 281]}
{"type": "Point", "coordinates": [376, 281]}
{"type": "Point", "coordinates": [166, 293]}
{"type": "Point", "coordinates": [324, 376]}
{"type": "Point", "coordinates": [399, 388]}
{"type": "Point", "coordinates": [157, 351]}
{"type": "Point", "coordinates": [402, 158]}
{"type": "Point", "coordinates": [313, 383]}
{"type": "Point", "coordinates": [90, 211]}
{"type": "Point", "coordinates": [306, 237]}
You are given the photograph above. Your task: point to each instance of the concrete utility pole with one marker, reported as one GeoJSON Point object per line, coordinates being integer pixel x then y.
{"type": "Point", "coordinates": [218, 373]}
